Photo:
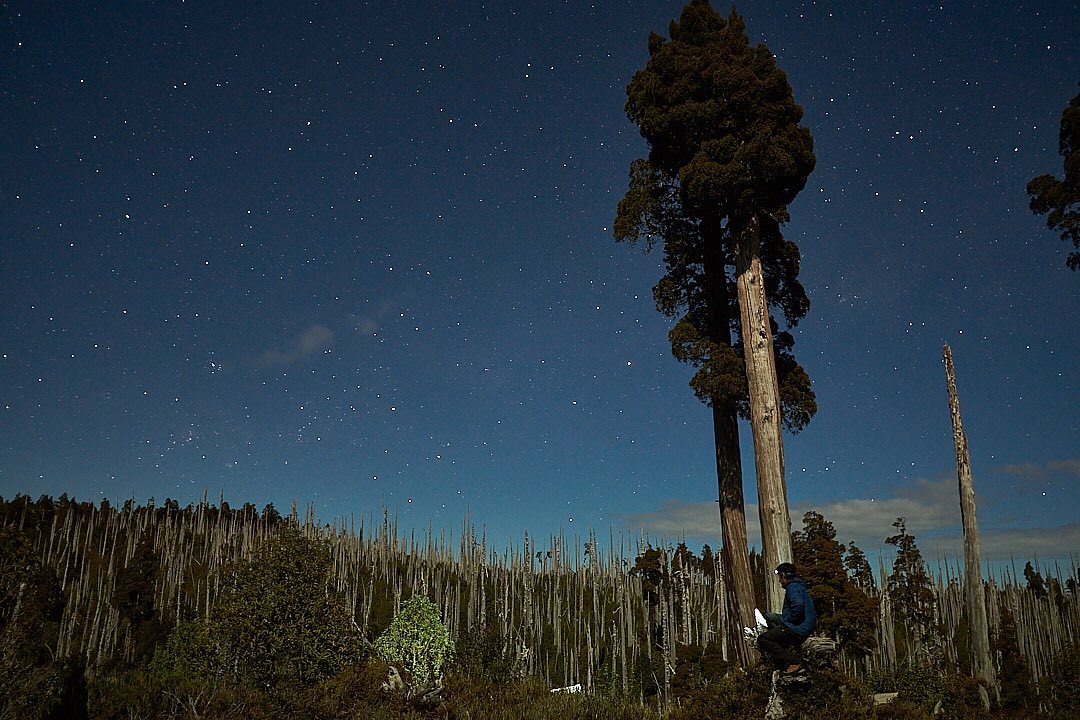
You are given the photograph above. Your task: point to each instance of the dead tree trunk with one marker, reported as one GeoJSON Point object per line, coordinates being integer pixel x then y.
{"type": "Point", "coordinates": [975, 598]}
{"type": "Point", "coordinates": [765, 415]}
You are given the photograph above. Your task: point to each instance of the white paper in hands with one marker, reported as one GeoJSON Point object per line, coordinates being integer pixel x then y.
{"type": "Point", "coordinates": [751, 633]}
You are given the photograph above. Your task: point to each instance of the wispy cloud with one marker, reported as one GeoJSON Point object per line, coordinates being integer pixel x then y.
{"type": "Point", "coordinates": [676, 518]}
{"type": "Point", "coordinates": [314, 339]}
{"type": "Point", "coordinates": [930, 509]}
{"type": "Point", "coordinates": [1069, 468]}
{"type": "Point", "coordinates": [370, 321]}
{"type": "Point", "coordinates": [1023, 470]}
{"type": "Point", "coordinates": [1001, 544]}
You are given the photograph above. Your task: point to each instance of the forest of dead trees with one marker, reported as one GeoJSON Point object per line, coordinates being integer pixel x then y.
{"type": "Point", "coordinates": [635, 616]}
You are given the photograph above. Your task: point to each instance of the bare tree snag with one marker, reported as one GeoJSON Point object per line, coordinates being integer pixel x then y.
{"type": "Point", "coordinates": [975, 598]}
{"type": "Point", "coordinates": [765, 414]}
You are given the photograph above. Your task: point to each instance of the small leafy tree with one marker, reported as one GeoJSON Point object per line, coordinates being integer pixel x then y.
{"type": "Point", "coordinates": [1016, 689]}
{"type": "Point", "coordinates": [1035, 583]}
{"type": "Point", "coordinates": [418, 640]}
{"type": "Point", "coordinates": [910, 588]}
{"type": "Point", "coordinates": [34, 682]}
{"type": "Point", "coordinates": [275, 624]}
{"type": "Point", "coordinates": [858, 568]}
{"type": "Point", "coordinates": [845, 612]}
{"type": "Point", "coordinates": [650, 567]}
{"type": "Point", "coordinates": [133, 596]}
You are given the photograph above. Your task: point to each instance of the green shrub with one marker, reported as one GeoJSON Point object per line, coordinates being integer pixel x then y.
{"type": "Point", "coordinates": [485, 652]}
{"type": "Point", "coordinates": [697, 666]}
{"type": "Point", "coordinates": [962, 700]}
{"type": "Point", "coordinates": [1060, 687]}
{"type": "Point", "coordinates": [737, 695]}
{"type": "Point", "coordinates": [924, 691]}
{"type": "Point", "coordinates": [916, 684]}
{"type": "Point", "coordinates": [275, 620]}
{"type": "Point", "coordinates": [828, 694]}
{"type": "Point", "coordinates": [273, 634]}
{"type": "Point", "coordinates": [125, 693]}
{"type": "Point", "coordinates": [901, 709]}
{"type": "Point", "coordinates": [418, 641]}
{"type": "Point", "coordinates": [530, 699]}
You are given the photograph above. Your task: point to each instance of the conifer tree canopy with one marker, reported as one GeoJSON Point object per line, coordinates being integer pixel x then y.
{"type": "Point", "coordinates": [845, 612]}
{"type": "Point", "coordinates": [725, 143]}
{"type": "Point", "coordinates": [721, 117]}
{"type": "Point", "coordinates": [1058, 199]}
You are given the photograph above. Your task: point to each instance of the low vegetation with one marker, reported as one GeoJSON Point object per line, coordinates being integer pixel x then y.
{"type": "Point", "coordinates": [211, 612]}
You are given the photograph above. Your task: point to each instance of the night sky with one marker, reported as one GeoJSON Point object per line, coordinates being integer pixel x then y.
{"type": "Point", "coordinates": [362, 257]}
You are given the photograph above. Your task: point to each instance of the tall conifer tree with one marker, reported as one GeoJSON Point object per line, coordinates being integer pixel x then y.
{"type": "Point", "coordinates": [845, 612]}
{"type": "Point", "coordinates": [726, 157]}
{"type": "Point", "coordinates": [911, 593]}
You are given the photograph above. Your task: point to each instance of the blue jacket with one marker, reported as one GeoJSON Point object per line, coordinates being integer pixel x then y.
{"type": "Point", "coordinates": [799, 614]}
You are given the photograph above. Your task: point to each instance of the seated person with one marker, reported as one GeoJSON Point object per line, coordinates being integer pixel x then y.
{"type": "Point", "coordinates": [787, 631]}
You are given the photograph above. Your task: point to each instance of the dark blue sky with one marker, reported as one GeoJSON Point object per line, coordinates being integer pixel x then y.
{"type": "Point", "coordinates": [363, 256]}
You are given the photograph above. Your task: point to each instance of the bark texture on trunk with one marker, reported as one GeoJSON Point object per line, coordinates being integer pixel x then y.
{"type": "Point", "coordinates": [734, 555]}
{"type": "Point", "coordinates": [974, 596]}
{"type": "Point", "coordinates": [765, 417]}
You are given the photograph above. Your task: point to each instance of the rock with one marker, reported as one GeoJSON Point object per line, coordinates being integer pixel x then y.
{"type": "Point", "coordinates": [395, 683]}
{"type": "Point", "coordinates": [884, 698]}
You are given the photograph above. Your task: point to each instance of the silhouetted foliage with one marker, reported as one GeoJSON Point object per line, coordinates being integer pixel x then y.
{"type": "Point", "coordinates": [484, 653]}
{"type": "Point", "coordinates": [962, 699]}
{"type": "Point", "coordinates": [34, 681]}
{"type": "Point", "coordinates": [274, 622]}
{"type": "Point", "coordinates": [649, 566]}
{"type": "Point", "coordinates": [133, 597]}
{"type": "Point", "coordinates": [845, 612]}
{"type": "Point", "coordinates": [708, 561]}
{"type": "Point", "coordinates": [696, 667]}
{"type": "Point", "coordinates": [739, 694]}
{"type": "Point", "coordinates": [858, 568]}
{"type": "Point", "coordinates": [910, 587]}
{"type": "Point", "coordinates": [1016, 690]}
{"type": "Point", "coordinates": [1058, 199]}
{"type": "Point", "coordinates": [1060, 687]}
{"type": "Point", "coordinates": [1034, 580]}
{"type": "Point", "coordinates": [710, 106]}
{"type": "Point", "coordinates": [829, 694]}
